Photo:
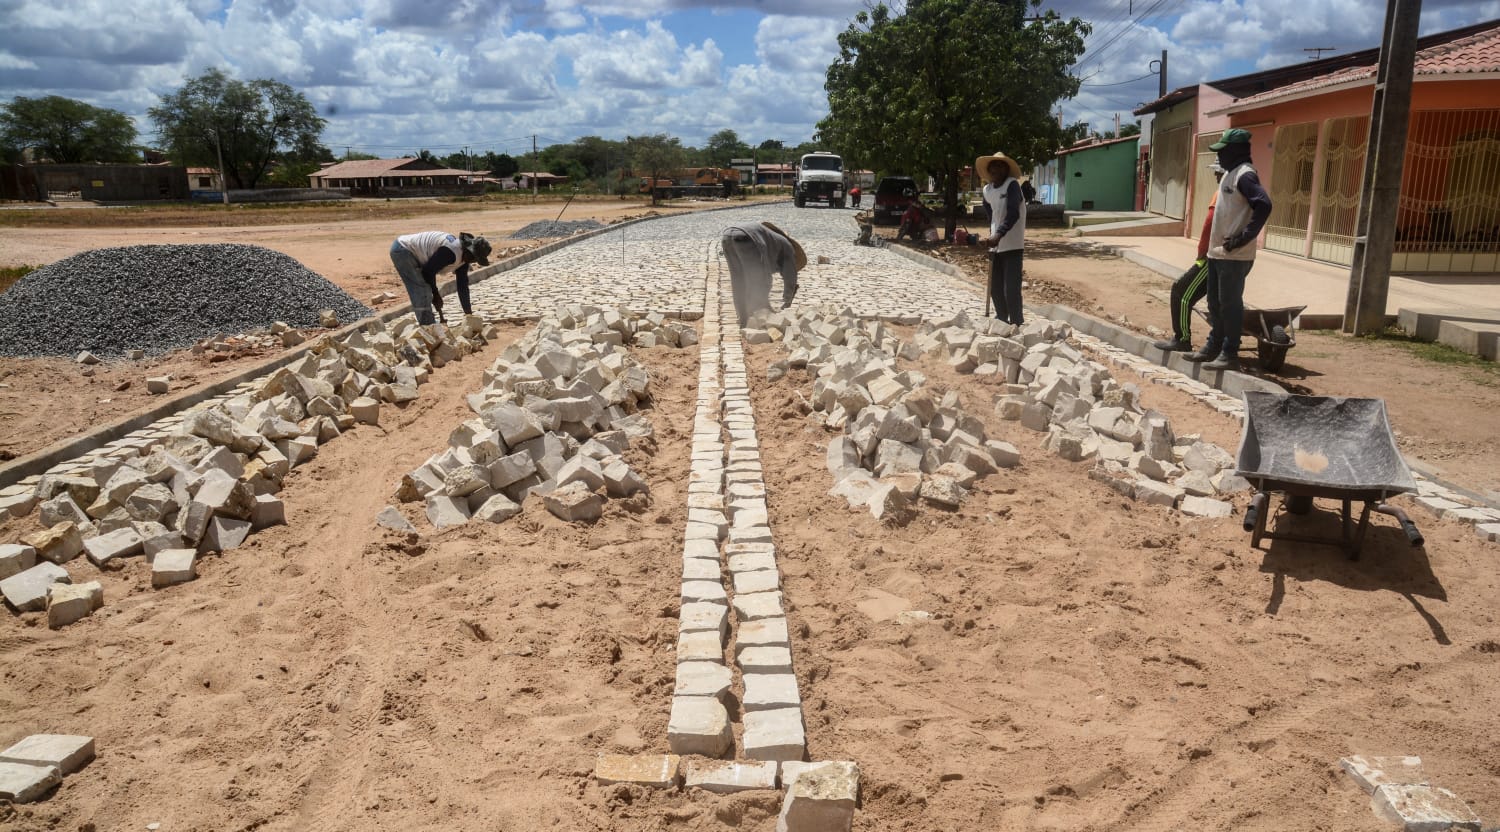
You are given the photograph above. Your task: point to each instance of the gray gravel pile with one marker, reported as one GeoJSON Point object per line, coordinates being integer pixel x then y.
{"type": "Point", "coordinates": [555, 228]}
{"type": "Point", "coordinates": [160, 298]}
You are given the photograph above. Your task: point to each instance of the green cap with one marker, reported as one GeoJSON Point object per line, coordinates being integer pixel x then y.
{"type": "Point", "coordinates": [1234, 135]}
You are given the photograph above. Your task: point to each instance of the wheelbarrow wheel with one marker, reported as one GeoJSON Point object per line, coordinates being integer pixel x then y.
{"type": "Point", "coordinates": [1272, 356]}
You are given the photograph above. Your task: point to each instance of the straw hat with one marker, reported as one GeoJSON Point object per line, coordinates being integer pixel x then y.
{"type": "Point", "coordinates": [982, 164]}
{"type": "Point", "coordinates": [796, 246]}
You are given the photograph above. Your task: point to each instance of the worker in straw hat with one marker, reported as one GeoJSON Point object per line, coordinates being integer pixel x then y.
{"type": "Point", "coordinates": [419, 259]}
{"type": "Point", "coordinates": [1006, 205]}
{"type": "Point", "coordinates": [754, 250]}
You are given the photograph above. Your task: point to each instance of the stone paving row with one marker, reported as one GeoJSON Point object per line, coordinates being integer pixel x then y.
{"type": "Point", "coordinates": [726, 505]}
{"type": "Point", "coordinates": [656, 267]}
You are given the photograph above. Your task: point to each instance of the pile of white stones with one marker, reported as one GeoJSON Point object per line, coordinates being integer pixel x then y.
{"type": "Point", "coordinates": [555, 416]}
{"type": "Point", "coordinates": [206, 485]}
{"type": "Point", "coordinates": [902, 441]}
{"type": "Point", "coordinates": [1087, 414]}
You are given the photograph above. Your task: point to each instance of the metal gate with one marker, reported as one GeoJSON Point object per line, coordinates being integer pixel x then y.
{"type": "Point", "coordinates": [1292, 188]}
{"type": "Point", "coordinates": [1169, 172]}
{"type": "Point", "coordinates": [1449, 215]}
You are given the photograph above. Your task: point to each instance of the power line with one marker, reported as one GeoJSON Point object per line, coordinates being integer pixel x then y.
{"type": "Point", "coordinates": [1098, 54]}
{"type": "Point", "coordinates": [1122, 83]}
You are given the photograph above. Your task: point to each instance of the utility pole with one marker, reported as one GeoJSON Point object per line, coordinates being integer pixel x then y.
{"type": "Point", "coordinates": [534, 165]}
{"type": "Point", "coordinates": [223, 176]}
{"type": "Point", "coordinates": [1161, 79]}
{"type": "Point", "coordinates": [1385, 153]}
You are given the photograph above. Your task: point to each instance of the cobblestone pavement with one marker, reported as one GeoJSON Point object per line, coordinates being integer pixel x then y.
{"type": "Point", "coordinates": [659, 266]}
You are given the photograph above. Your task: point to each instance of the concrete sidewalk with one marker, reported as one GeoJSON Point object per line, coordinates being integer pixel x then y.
{"type": "Point", "coordinates": [1279, 280]}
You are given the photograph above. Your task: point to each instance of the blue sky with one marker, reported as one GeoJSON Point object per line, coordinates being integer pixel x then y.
{"type": "Point", "coordinates": [393, 76]}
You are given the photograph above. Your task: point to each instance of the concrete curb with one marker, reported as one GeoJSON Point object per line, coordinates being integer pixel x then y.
{"type": "Point", "coordinates": [927, 260]}
{"type": "Point", "coordinates": [40, 461]}
{"type": "Point", "coordinates": [1230, 382]}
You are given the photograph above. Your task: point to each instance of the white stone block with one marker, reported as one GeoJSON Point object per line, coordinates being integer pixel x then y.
{"type": "Point", "coordinates": [26, 590]}
{"type": "Point", "coordinates": [765, 660]}
{"type": "Point", "coordinates": [657, 771]}
{"type": "Point", "coordinates": [23, 783]}
{"type": "Point", "coordinates": [1156, 493]}
{"type": "Point", "coordinates": [65, 752]}
{"type": "Point", "coordinates": [701, 646]}
{"type": "Point", "coordinates": [365, 410]}
{"type": "Point", "coordinates": [757, 605]}
{"type": "Point", "coordinates": [704, 678]}
{"type": "Point", "coordinates": [763, 632]}
{"type": "Point", "coordinates": [1422, 808]}
{"type": "Point", "coordinates": [224, 534]}
{"type": "Point", "coordinates": [699, 725]}
{"type": "Point", "coordinates": [704, 617]}
{"type": "Point", "coordinates": [67, 603]}
{"type": "Point", "coordinates": [574, 503]}
{"type": "Point", "coordinates": [58, 544]}
{"type": "Point", "coordinates": [497, 508]}
{"type": "Point", "coordinates": [727, 777]}
{"type": "Point", "coordinates": [104, 549]}
{"type": "Point", "coordinates": [752, 561]}
{"type": "Point", "coordinates": [1206, 507]}
{"type": "Point", "coordinates": [173, 566]}
{"type": "Point", "coordinates": [763, 580]}
{"type": "Point", "coordinates": [16, 558]}
{"type": "Point", "coordinates": [268, 511]}
{"type": "Point", "coordinates": [774, 735]}
{"type": "Point", "coordinates": [1370, 773]}
{"type": "Point", "coordinates": [765, 691]}
{"type": "Point", "coordinates": [445, 511]}
{"type": "Point", "coordinates": [820, 797]}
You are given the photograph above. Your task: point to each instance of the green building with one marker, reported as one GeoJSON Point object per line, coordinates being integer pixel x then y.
{"type": "Point", "coordinates": [1099, 176]}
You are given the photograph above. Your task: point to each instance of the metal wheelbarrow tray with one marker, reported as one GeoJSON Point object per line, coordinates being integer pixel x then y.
{"type": "Point", "coordinates": [1310, 447]}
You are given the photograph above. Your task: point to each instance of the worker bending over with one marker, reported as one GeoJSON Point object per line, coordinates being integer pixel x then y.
{"type": "Point", "coordinates": [419, 259]}
{"type": "Point", "coordinates": [755, 250]}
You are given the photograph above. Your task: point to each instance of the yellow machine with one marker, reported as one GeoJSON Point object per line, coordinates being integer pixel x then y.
{"type": "Point", "coordinates": [699, 182]}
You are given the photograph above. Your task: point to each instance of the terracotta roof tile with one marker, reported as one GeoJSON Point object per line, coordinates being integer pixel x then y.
{"type": "Point", "coordinates": [1478, 52]}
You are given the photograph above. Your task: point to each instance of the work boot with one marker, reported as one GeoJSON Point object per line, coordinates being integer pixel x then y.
{"type": "Point", "coordinates": [1204, 355]}
{"type": "Point", "coordinates": [1171, 345]}
{"type": "Point", "coordinates": [1223, 362]}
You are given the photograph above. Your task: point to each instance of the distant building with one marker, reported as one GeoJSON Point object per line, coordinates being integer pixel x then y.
{"type": "Point", "coordinates": [97, 183]}
{"type": "Point", "coordinates": [1099, 175]}
{"type": "Point", "coordinates": [407, 176]}
{"type": "Point", "coordinates": [204, 179]}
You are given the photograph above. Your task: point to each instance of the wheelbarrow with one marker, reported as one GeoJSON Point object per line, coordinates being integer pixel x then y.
{"type": "Point", "coordinates": [1321, 447]}
{"type": "Point", "coordinates": [1273, 333]}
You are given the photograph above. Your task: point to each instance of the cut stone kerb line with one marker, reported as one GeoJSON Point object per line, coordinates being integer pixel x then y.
{"type": "Point", "coordinates": [728, 522]}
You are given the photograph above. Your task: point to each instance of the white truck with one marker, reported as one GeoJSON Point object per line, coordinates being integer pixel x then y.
{"type": "Point", "coordinates": [820, 178]}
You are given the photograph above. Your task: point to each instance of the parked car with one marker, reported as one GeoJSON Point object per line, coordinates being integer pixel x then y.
{"type": "Point", "coordinates": [892, 196]}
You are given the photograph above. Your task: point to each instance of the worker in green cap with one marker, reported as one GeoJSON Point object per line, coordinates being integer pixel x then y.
{"type": "Point", "coordinates": [1241, 212]}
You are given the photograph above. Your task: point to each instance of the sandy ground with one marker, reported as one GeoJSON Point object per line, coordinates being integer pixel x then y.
{"type": "Point", "coordinates": [1092, 663]}
{"type": "Point", "coordinates": [330, 675]}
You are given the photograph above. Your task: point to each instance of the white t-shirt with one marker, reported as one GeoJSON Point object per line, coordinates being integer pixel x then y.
{"type": "Point", "coordinates": [424, 244]}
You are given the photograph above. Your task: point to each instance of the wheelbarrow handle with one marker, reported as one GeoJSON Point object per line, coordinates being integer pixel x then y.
{"type": "Point", "coordinates": [1250, 515]}
{"type": "Point", "coordinates": [1412, 534]}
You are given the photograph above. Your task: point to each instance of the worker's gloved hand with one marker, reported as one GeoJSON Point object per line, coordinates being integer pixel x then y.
{"type": "Point", "coordinates": [1200, 262]}
{"type": "Point", "coordinates": [1234, 241]}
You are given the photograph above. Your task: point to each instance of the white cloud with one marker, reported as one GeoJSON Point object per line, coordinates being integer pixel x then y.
{"type": "Point", "coordinates": [797, 44]}
{"type": "Point", "coordinates": [412, 74]}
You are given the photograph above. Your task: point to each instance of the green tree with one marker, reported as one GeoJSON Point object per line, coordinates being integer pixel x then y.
{"type": "Point", "coordinates": [66, 131]}
{"type": "Point", "coordinates": [927, 90]}
{"type": "Point", "coordinates": [654, 155]}
{"type": "Point", "coordinates": [249, 122]}
{"type": "Point", "coordinates": [725, 145]}
{"type": "Point", "coordinates": [500, 165]}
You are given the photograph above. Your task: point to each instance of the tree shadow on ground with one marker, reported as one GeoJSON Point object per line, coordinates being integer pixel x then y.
{"type": "Point", "coordinates": [1388, 562]}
